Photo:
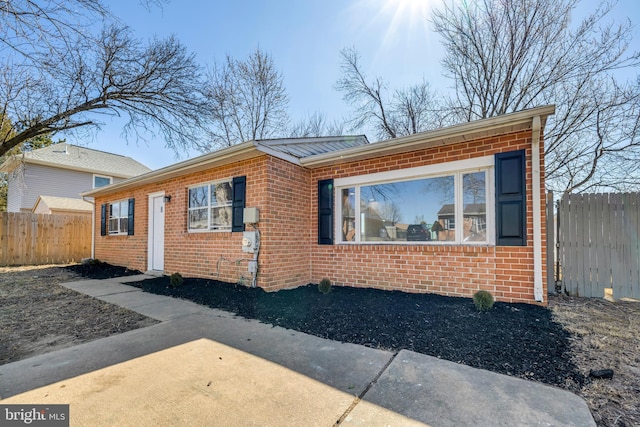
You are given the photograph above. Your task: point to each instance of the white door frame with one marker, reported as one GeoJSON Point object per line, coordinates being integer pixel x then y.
{"type": "Point", "coordinates": [150, 240]}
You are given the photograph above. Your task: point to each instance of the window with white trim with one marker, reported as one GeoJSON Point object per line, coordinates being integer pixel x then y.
{"type": "Point", "coordinates": [119, 217]}
{"type": "Point", "coordinates": [210, 206]}
{"type": "Point", "coordinates": [433, 204]}
{"type": "Point", "coordinates": [101, 180]}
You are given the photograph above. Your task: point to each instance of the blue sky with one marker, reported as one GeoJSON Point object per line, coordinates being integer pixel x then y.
{"type": "Point", "coordinates": [304, 38]}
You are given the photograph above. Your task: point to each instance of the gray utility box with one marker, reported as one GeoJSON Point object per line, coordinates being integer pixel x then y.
{"type": "Point", "coordinates": [251, 215]}
{"type": "Point", "coordinates": [250, 241]}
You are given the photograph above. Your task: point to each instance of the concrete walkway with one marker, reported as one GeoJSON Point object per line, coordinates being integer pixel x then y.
{"type": "Point", "coordinates": [201, 366]}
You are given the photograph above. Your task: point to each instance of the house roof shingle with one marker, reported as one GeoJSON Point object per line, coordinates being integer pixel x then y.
{"type": "Point", "coordinates": [470, 209]}
{"type": "Point", "coordinates": [68, 156]}
{"type": "Point", "coordinates": [64, 204]}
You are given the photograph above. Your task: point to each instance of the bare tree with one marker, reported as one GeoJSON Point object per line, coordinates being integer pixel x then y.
{"type": "Point", "coordinates": [404, 112]}
{"type": "Point", "coordinates": [316, 125]}
{"type": "Point", "coordinates": [505, 56]}
{"type": "Point", "coordinates": [40, 141]}
{"type": "Point", "coordinates": [58, 74]}
{"type": "Point", "coordinates": [247, 99]}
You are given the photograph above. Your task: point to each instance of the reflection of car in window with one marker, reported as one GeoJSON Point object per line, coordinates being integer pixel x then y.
{"type": "Point", "coordinates": [417, 233]}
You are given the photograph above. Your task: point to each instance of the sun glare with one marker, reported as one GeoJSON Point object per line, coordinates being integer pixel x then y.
{"type": "Point", "coordinates": [406, 17]}
{"type": "Point", "coordinates": [414, 7]}
{"type": "Point", "coordinates": [393, 27]}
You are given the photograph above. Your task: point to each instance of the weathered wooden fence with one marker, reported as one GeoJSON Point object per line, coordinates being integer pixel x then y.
{"type": "Point", "coordinates": [32, 239]}
{"type": "Point", "coordinates": [599, 245]}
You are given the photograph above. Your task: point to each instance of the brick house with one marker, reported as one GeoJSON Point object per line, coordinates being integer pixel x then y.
{"type": "Point", "coordinates": [283, 213]}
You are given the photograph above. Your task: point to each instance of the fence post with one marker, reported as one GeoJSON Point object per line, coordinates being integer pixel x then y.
{"type": "Point", "coordinates": [551, 244]}
{"type": "Point", "coordinates": [4, 237]}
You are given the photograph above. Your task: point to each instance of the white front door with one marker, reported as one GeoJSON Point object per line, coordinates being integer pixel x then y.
{"type": "Point", "coordinates": [156, 232]}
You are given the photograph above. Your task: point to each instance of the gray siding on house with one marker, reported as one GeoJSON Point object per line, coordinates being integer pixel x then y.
{"type": "Point", "coordinates": [14, 192]}
{"type": "Point", "coordinates": [48, 181]}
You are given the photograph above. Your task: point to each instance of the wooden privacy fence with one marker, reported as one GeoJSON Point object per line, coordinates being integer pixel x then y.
{"type": "Point", "coordinates": [598, 245]}
{"type": "Point", "coordinates": [32, 239]}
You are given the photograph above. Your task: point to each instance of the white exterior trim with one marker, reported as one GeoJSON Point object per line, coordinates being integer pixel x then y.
{"type": "Point", "coordinates": [458, 168]}
{"type": "Point", "coordinates": [537, 206]}
{"type": "Point", "coordinates": [97, 175]}
{"type": "Point", "coordinates": [208, 207]}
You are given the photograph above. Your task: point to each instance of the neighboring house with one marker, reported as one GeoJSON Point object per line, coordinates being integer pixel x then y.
{"type": "Point", "coordinates": [62, 170]}
{"type": "Point", "coordinates": [474, 222]}
{"type": "Point", "coordinates": [284, 213]}
{"type": "Point", "coordinates": [52, 205]}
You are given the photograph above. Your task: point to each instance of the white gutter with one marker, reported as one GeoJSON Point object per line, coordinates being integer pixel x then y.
{"type": "Point", "coordinates": [537, 206]}
{"type": "Point", "coordinates": [93, 227]}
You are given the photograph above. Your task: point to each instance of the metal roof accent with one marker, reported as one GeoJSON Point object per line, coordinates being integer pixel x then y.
{"type": "Point", "coordinates": [305, 147]}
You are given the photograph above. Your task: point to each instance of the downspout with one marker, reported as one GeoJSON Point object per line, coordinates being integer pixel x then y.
{"type": "Point", "coordinates": [537, 209]}
{"type": "Point", "coordinates": [93, 226]}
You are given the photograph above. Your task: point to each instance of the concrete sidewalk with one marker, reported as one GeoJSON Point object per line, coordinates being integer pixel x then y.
{"type": "Point", "coordinates": [201, 366]}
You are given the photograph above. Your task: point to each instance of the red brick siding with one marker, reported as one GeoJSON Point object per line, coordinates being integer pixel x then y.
{"type": "Point", "coordinates": [279, 189]}
{"type": "Point", "coordinates": [507, 272]}
{"type": "Point", "coordinates": [208, 254]}
{"type": "Point", "coordinates": [285, 226]}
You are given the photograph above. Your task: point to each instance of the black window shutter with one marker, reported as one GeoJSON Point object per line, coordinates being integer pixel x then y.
{"type": "Point", "coordinates": [239, 199]}
{"type": "Point", "coordinates": [130, 219]}
{"type": "Point", "coordinates": [103, 220]}
{"type": "Point", "coordinates": [325, 212]}
{"type": "Point", "coordinates": [511, 199]}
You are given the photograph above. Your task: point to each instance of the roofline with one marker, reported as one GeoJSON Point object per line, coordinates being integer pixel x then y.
{"type": "Point", "coordinates": [215, 158]}
{"type": "Point", "coordinates": [8, 166]}
{"type": "Point", "coordinates": [80, 211]}
{"type": "Point", "coordinates": [251, 149]}
{"type": "Point", "coordinates": [40, 199]}
{"type": "Point", "coordinates": [419, 140]}
{"type": "Point", "coordinates": [248, 149]}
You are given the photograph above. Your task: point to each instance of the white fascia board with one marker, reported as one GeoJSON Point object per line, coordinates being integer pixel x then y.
{"type": "Point", "coordinates": [429, 138]}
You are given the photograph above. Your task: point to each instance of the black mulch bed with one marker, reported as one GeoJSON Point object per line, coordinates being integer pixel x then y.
{"type": "Point", "coordinates": [95, 269]}
{"type": "Point", "coordinates": [515, 339]}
